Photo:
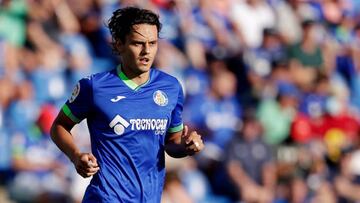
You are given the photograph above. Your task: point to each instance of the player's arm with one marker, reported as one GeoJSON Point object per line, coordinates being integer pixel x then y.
{"type": "Point", "coordinates": [60, 134]}
{"type": "Point", "coordinates": [85, 163]}
{"type": "Point", "coordinates": [180, 144]}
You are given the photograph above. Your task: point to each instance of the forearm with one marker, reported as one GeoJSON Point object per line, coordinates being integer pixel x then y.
{"type": "Point", "coordinates": [346, 189]}
{"type": "Point", "coordinates": [353, 193]}
{"type": "Point", "coordinates": [64, 141]}
{"type": "Point", "coordinates": [66, 17]}
{"type": "Point", "coordinates": [238, 175]}
{"type": "Point", "coordinates": [269, 176]}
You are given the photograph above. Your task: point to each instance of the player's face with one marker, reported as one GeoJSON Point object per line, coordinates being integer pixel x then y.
{"type": "Point", "coordinates": [140, 47]}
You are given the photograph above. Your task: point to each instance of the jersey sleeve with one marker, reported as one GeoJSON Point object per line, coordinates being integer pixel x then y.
{"type": "Point", "coordinates": [176, 124]}
{"type": "Point", "coordinates": [78, 106]}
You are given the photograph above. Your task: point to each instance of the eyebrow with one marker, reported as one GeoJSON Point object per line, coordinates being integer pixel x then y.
{"type": "Point", "coordinates": [141, 42]}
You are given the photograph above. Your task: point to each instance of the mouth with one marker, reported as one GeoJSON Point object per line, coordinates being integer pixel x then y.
{"type": "Point", "coordinates": [144, 60]}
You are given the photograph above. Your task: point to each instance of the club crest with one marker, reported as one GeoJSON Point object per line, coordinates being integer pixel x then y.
{"type": "Point", "coordinates": [75, 93]}
{"type": "Point", "coordinates": [160, 98]}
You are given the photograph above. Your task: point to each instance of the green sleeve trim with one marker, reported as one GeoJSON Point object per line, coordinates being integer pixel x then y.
{"type": "Point", "coordinates": [68, 113]}
{"type": "Point", "coordinates": [176, 129]}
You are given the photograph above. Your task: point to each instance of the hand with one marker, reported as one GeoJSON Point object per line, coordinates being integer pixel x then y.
{"type": "Point", "coordinates": [193, 141]}
{"type": "Point", "coordinates": [342, 185]}
{"type": "Point", "coordinates": [250, 193]}
{"type": "Point", "coordinates": [86, 164]}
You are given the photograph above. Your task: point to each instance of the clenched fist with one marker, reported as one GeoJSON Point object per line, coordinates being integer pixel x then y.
{"type": "Point", "coordinates": [85, 164]}
{"type": "Point", "coordinates": [193, 141]}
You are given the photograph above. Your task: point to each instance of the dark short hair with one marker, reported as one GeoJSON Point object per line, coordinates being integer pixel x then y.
{"type": "Point", "coordinates": [122, 21]}
{"type": "Point", "coordinates": [307, 23]}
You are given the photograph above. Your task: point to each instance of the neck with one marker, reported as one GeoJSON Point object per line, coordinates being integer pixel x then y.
{"type": "Point", "coordinates": [138, 78]}
{"type": "Point", "coordinates": [308, 45]}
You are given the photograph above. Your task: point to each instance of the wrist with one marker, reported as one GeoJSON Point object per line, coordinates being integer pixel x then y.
{"type": "Point", "coordinates": [74, 155]}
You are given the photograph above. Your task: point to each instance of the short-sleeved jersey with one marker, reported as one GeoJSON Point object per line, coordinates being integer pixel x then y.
{"type": "Point", "coordinates": [128, 125]}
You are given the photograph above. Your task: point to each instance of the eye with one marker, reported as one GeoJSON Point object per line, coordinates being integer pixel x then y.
{"type": "Point", "coordinates": [136, 43]}
{"type": "Point", "coordinates": [153, 43]}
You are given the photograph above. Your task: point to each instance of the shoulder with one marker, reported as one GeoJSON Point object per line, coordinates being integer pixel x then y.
{"type": "Point", "coordinates": [98, 77]}
{"type": "Point", "coordinates": [91, 81]}
{"type": "Point", "coordinates": [165, 78]}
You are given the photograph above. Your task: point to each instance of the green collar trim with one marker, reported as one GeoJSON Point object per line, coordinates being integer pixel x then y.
{"type": "Point", "coordinates": [131, 84]}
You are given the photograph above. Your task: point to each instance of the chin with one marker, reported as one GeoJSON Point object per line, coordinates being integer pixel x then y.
{"type": "Point", "coordinates": [143, 68]}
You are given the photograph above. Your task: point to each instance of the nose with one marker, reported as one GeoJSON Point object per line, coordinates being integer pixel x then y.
{"type": "Point", "coordinates": [146, 48]}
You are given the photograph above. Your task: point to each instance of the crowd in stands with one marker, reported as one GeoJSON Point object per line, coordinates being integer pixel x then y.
{"type": "Point", "coordinates": [273, 86]}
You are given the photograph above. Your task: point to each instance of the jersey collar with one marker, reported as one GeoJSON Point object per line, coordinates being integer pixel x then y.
{"type": "Point", "coordinates": [131, 84]}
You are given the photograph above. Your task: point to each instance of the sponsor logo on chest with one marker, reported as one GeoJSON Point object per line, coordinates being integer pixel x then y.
{"type": "Point", "coordinates": [119, 124]}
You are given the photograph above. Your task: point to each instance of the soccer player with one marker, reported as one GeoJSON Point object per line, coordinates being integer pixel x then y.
{"type": "Point", "coordinates": [133, 114]}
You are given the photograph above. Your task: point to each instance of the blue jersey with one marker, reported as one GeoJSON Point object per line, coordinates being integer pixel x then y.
{"type": "Point", "coordinates": [128, 124]}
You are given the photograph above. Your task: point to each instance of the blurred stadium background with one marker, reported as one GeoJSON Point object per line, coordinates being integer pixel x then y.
{"type": "Point", "coordinates": [272, 85]}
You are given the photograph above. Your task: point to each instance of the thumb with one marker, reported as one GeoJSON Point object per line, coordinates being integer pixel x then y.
{"type": "Point", "coordinates": [84, 158]}
{"type": "Point", "coordinates": [92, 160]}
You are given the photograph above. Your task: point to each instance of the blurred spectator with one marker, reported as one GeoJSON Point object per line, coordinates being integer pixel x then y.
{"type": "Point", "coordinates": [355, 77]}
{"type": "Point", "coordinates": [40, 171]}
{"type": "Point", "coordinates": [12, 21]}
{"type": "Point", "coordinates": [171, 22]}
{"type": "Point", "coordinates": [269, 52]}
{"type": "Point", "coordinates": [324, 193]}
{"type": "Point", "coordinates": [6, 95]}
{"type": "Point", "coordinates": [251, 17]}
{"type": "Point", "coordinates": [250, 164]}
{"type": "Point", "coordinates": [306, 56]}
{"type": "Point", "coordinates": [24, 111]}
{"type": "Point", "coordinates": [288, 20]}
{"type": "Point", "coordinates": [277, 115]}
{"type": "Point", "coordinates": [210, 23]}
{"type": "Point", "coordinates": [216, 114]}
{"type": "Point", "coordinates": [298, 191]}
{"type": "Point", "coordinates": [174, 191]}
{"type": "Point", "coordinates": [194, 181]}
{"type": "Point", "coordinates": [346, 182]}
{"type": "Point", "coordinates": [332, 10]}
{"type": "Point", "coordinates": [265, 62]}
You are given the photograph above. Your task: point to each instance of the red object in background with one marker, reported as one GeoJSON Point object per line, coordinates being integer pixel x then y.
{"type": "Point", "coordinates": [163, 3]}
{"type": "Point", "coordinates": [46, 117]}
{"type": "Point", "coordinates": [303, 129]}
{"type": "Point", "coordinates": [320, 126]}
{"type": "Point", "coordinates": [347, 123]}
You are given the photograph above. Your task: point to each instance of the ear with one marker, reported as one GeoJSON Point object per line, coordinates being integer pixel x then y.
{"type": "Point", "coordinates": [119, 45]}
